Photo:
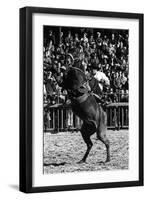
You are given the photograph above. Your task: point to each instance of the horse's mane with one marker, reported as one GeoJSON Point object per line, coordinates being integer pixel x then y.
{"type": "Point", "coordinates": [75, 75]}
{"type": "Point", "coordinates": [78, 64]}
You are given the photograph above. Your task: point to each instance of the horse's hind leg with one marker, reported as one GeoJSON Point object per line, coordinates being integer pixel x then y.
{"type": "Point", "coordinates": [87, 130]}
{"type": "Point", "coordinates": [102, 137]}
{"type": "Point", "coordinates": [101, 134]}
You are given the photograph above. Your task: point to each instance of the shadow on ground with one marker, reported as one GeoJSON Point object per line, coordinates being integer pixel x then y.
{"type": "Point", "coordinates": [14, 187]}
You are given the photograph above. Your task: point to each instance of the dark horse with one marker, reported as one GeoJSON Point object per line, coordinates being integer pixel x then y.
{"type": "Point", "coordinates": [86, 107]}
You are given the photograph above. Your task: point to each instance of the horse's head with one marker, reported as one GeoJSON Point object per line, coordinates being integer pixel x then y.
{"type": "Point", "coordinates": [74, 77]}
{"type": "Point", "coordinates": [71, 76]}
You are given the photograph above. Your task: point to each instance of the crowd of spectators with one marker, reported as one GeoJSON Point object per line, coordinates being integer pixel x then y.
{"type": "Point", "coordinates": [107, 50]}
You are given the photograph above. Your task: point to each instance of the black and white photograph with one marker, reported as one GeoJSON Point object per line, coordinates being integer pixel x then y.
{"type": "Point", "coordinates": [72, 100]}
{"type": "Point", "coordinates": [85, 99]}
{"type": "Point", "coordinates": [81, 84]}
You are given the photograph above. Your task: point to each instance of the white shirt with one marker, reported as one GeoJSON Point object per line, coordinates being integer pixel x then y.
{"type": "Point", "coordinates": [102, 78]}
{"type": "Point", "coordinates": [85, 39]}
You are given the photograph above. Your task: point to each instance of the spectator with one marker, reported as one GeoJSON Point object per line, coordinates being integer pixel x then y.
{"type": "Point", "coordinates": [84, 39]}
{"type": "Point", "coordinates": [123, 81]}
{"type": "Point", "coordinates": [107, 51]}
{"type": "Point", "coordinates": [113, 41]}
{"type": "Point", "coordinates": [76, 39]}
{"type": "Point", "coordinates": [68, 39]}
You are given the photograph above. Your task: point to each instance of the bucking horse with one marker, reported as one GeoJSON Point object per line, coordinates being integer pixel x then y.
{"type": "Point", "coordinates": [86, 107]}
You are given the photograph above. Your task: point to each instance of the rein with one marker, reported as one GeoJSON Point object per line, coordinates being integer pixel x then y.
{"type": "Point", "coordinates": [77, 69]}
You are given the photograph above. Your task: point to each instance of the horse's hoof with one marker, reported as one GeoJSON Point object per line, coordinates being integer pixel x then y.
{"type": "Point", "coordinates": [101, 162]}
{"type": "Point", "coordinates": [81, 162]}
{"type": "Point", "coordinates": [108, 160]}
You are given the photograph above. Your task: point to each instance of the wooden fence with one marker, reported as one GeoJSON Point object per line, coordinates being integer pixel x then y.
{"type": "Point", "coordinates": [60, 118]}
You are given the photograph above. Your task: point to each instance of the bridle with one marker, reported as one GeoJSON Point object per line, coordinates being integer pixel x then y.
{"type": "Point", "coordinates": [76, 68]}
{"type": "Point", "coordinates": [84, 87]}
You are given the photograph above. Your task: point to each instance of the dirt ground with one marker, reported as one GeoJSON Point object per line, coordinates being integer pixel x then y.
{"type": "Point", "coordinates": [62, 151]}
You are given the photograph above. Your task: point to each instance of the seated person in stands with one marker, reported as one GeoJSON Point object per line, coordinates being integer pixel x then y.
{"type": "Point", "coordinates": [111, 96]}
{"type": "Point", "coordinates": [124, 96]}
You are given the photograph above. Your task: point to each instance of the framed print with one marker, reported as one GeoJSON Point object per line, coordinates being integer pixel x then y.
{"type": "Point", "coordinates": [81, 99]}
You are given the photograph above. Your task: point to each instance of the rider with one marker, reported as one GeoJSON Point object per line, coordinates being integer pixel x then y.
{"type": "Point", "coordinates": [96, 78]}
{"type": "Point", "coordinates": [100, 76]}
{"type": "Point", "coordinates": [97, 81]}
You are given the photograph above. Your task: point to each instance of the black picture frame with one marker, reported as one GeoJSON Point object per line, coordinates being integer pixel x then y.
{"type": "Point", "coordinates": [26, 90]}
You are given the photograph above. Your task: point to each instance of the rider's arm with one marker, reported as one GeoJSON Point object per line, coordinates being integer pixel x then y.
{"type": "Point", "coordinates": [106, 80]}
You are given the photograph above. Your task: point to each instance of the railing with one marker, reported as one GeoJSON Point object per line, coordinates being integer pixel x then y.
{"type": "Point", "coordinates": [118, 116]}
{"type": "Point", "coordinates": [60, 118]}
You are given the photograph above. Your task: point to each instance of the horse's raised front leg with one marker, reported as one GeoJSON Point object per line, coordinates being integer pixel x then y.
{"type": "Point", "coordinates": [87, 130]}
